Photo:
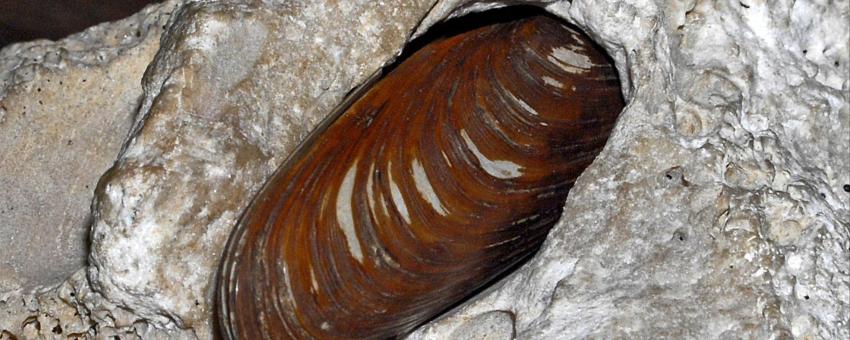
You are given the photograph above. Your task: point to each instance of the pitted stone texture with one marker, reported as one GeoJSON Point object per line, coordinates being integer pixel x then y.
{"type": "Point", "coordinates": [233, 90]}
{"type": "Point", "coordinates": [718, 208]}
{"type": "Point", "coordinates": [66, 108]}
{"type": "Point", "coordinates": [65, 111]}
{"type": "Point", "coordinates": [72, 310]}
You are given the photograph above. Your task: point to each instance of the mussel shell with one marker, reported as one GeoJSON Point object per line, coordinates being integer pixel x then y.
{"type": "Point", "coordinates": [445, 173]}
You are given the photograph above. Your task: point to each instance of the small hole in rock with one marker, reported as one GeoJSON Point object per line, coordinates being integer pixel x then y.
{"type": "Point", "coordinates": [57, 329]}
{"type": "Point", "coordinates": [744, 5]}
{"type": "Point", "coordinates": [847, 188]}
{"type": "Point", "coordinates": [806, 297]}
{"type": "Point", "coordinates": [676, 175]}
{"type": "Point", "coordinates": [32, 320]}
{"type": "Point", "coordinates": [679, 235]}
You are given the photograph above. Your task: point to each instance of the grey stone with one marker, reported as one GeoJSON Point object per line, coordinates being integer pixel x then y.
{"type": "Point", "coordinates": [493, 325]}
{"type": "Point", "coordinates": [65, 111]}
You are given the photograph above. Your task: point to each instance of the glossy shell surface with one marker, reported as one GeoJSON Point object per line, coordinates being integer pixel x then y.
{"type": "Point", "coordinates": [445, 173]}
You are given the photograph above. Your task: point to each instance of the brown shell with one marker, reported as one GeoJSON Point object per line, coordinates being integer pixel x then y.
{"type": "Point", "coordinates": [448, 171]}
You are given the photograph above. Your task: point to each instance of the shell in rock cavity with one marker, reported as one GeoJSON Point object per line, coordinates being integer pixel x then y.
{"type": "Point", "coordinates": [445, 173]}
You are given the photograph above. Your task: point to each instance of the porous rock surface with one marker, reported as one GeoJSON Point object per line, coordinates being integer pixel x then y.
{"type": "Point", "coordinates": [717, 209]}
{"type": "Point", "coordinates": [65, 110]}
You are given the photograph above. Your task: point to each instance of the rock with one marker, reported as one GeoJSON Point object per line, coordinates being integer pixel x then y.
{"type": "Point", "coordinates": [72, 310]}
{"type": "Point", "coordinates": [495, 325]}
{"type": "Point", "coordinates": [65, 111]}
{"type": "Point", "coordinates": [66, 108]}
{"type": "Point", "coordinates": [717, 209]}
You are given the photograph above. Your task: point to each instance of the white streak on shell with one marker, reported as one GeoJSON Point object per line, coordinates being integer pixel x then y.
{"type": "Point", "coordinates": [552, 82]}
{"type": "Point", "coordinates": [570, 61]}
{"type": "Point", "coordinates": [523, 104]}
{"type": "Point", "coordinates": [497, 168]}
{"type": "Point", "coordinates": [398, 200]}
{"type": "Point", "coordinates": [423, 185]}
{"type": "Point", "coordinates": [344, 215]}
{"type": "Point", "coordinates": [315, 284]}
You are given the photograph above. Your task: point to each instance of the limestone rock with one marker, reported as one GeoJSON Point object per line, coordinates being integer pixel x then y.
{"type": "Point", "coordinates": [65, 111]}
{"type": "Point", "coordinates": [66, 108]}
{"type": "Point", "coordinates": [719, 208]}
